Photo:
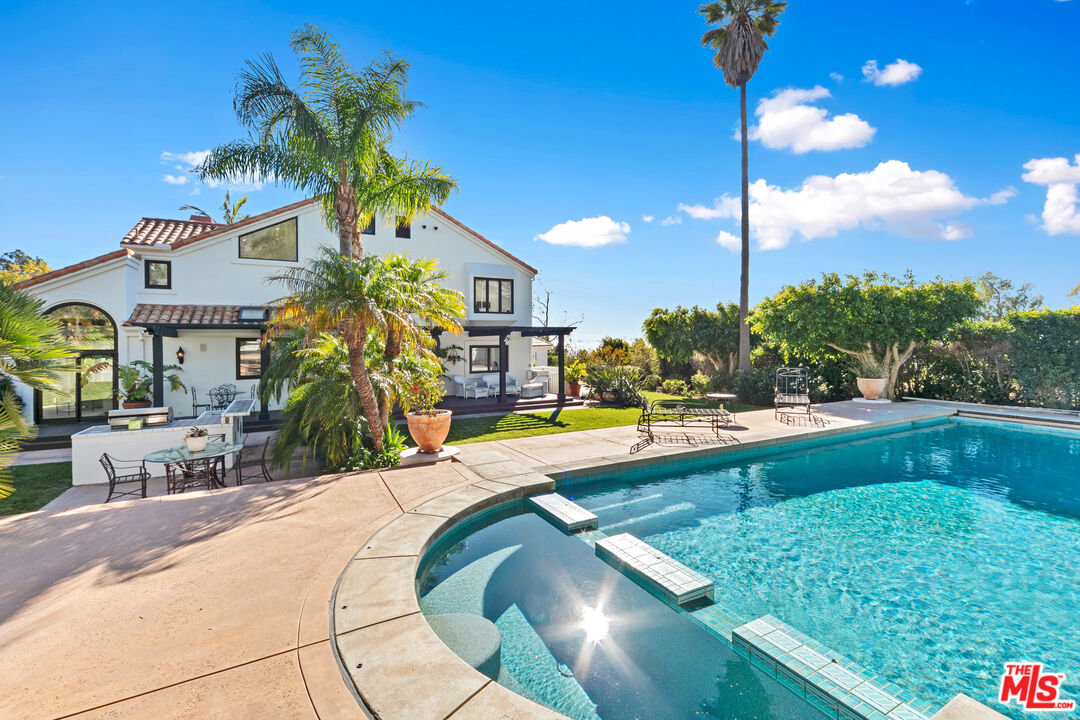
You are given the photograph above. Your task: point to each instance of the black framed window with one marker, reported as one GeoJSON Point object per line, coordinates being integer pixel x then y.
{"type": "Point", "coordinates": [369, 229]}
{"type": "Point", "coordinates": [248, 358]}
{"type": "Point", "coordinates": [403, 229]}
{"type": "Point", "coordinates": [493, 295]}
{"type": "Point", "coordinates": [483, 358]}
{"type": "Point", "coordinates": [158, 274]}
{"type": "Point", "coordinates": [277, 242]}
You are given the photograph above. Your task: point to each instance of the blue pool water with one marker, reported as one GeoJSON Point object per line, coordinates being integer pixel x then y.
{"type": "Point", "coordinates": [931, 557]}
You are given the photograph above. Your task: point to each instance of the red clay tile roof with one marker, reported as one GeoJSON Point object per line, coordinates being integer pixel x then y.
{"type": "Point", "coordinates": [219, 229]}
{"type": "Point", "coordinates": [161, 231]}
{"type": "Point", "coordinates": [67, 270]}
{"type": "Point", "coordinates": [195, 315]}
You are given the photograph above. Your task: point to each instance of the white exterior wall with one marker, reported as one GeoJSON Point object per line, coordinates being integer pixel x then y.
{"type": "Point", "coordinates": [210, 272]}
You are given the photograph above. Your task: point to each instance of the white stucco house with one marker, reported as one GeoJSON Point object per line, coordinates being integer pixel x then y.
{"type": "Point", "coordinates": [194, 292]}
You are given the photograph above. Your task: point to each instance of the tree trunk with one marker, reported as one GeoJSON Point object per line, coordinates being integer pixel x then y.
{"type": "Point", "coordinates": [348, 238]}
{"type": "Point", "coordinates": [355, 341]}
{"type": "Point", "coordinates": [744, 277]}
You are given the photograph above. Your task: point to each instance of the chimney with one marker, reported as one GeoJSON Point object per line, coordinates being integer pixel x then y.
{"type": "Point", "coordinates": [201, 219]}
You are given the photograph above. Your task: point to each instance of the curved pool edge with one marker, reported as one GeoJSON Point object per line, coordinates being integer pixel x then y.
{"type": "Point", "coordinates": [388, 654]}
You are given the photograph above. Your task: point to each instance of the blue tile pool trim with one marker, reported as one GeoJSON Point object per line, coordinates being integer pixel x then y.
{"type": "Point", "coordinates": [834, 685]}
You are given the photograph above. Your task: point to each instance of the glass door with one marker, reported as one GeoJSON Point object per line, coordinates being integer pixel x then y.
{"type": "Point", "coordinates": [96, 396]}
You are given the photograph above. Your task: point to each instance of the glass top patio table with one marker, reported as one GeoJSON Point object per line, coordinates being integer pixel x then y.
{"type": "Point", "coordinates": [182, 454]}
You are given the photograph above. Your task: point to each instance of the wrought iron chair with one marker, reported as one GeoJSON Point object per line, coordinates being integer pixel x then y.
{"type": "Point", "coordinates": [124, 471]}
{"type": "Point", "coordinates": [222, 395]}
{"type": "Point", "coordinates": [196, 405]}
{"type": "Point", "coordinates": [255, 464]}
{"type": "Point", "coordinates": [201, 474]}
{"type": "Point", "coordinates": [792, 390]}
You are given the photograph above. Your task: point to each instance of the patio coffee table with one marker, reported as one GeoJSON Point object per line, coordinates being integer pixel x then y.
{"type": "Point", "coordinates": [180, 454]}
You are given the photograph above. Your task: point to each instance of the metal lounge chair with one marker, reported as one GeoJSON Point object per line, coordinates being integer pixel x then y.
{"type": "Point", "coordinates": [792, 390]}
{"type": "Point", "coordinates": [253, 467]}
{"type": "Point", "coordinates": [121, 472]}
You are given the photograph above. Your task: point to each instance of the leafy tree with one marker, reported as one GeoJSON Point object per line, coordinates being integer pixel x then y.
{"type": "Point", "coordinates": [32, 351]}
{"type": "Point", "coordinates": [612, 351]}
{"type": "Point", "coordinates": [16, 265]}
{"type": "Point", "coordinates": [1075, 291]}
{"type": "Point", "coordinates": [1045, 355]}
{"type": "Point", "coordinates": [330, 137]}
{"type": "Point", "coordinates": [999, 298]}
{"type": "Point", "coordinates": [230, 211]}
{"type": "Point", "coordinates": [643, 356]}
{"type": "Point", "coordinates": [364, 298]}
{"type": "Point", "coordinates": [679, 334]}
{"type": "Point", "coordinates": [875, 320]}
{"type": "Point", "coordinates": [740, 45]}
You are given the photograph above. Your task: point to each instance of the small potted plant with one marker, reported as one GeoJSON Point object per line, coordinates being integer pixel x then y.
{"type": "Point", "coordinates": [575, 372]}
{"type": "Point", "coordinates": [196, 439]}
{"type": "Point", "coordinates": [428, 426]}
{"type": "Point", "coordinates": [871, 376]}
{"type": "Point", "coordinates": [136, 379]}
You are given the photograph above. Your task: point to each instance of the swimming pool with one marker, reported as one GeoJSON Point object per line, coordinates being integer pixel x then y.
{"type": "Point", "coordinates": [932, 556]}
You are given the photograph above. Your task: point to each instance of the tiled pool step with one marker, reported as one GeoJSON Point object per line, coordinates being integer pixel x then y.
{"type": "Point", "coordinates": [670, 578]}
{"type": "Point", "coordinates": [834, 685]}
{"type": "Point", "coordinates": [565, 513]}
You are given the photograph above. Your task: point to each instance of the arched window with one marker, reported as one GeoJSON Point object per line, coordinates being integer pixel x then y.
{"type": "Point", "coordinates": [91, 392]}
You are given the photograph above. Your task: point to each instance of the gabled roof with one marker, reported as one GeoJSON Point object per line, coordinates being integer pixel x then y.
{"type": "Point", "coordinates": [481, 238]}
{"type": "Point", "coordinates": [195, 316]}
{"type": "Point", "coordinates": [60, 272]}
{"type": "Point", "coordinates": [162, 231]}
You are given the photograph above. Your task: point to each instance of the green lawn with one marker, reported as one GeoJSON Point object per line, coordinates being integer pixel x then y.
{"type": "Point", "coordinates": [505, 427]}
{"type": "Point", "coordinates": [35, 485]}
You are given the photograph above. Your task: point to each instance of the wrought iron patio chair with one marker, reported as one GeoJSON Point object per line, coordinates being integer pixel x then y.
{"type": "Point", "coordinates": [255, 463]}
{"type": "Point", "coordinates": [201, 474]}
{"type": "Point", "coordinates": [222, 395]}
{"type": "Point", "coordinates": [121, 472]}
{"type": "Point", "coordinates": [196, 405]}
{"type": "Point", "coordinates": [792, 390]}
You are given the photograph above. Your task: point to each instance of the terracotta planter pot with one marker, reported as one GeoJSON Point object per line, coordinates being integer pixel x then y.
{"type": "Point", "coordinates": [131, 404]}
{"type": "Point", "coordinates": [196, 444]}
{"type": "Point", "coordinates": [429, 431]}
{"type": "Point", "coordinates": [575, 388]}
{"type": "Point", "coordinates": [608, 397]}
{"type": "Point", "coordinates": [871, 388]}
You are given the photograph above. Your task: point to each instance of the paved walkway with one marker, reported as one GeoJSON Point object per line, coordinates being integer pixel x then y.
{"type": "Point", "coordinates": [215, 604]}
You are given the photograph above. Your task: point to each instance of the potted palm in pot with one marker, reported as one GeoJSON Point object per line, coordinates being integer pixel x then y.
{"type": "Point", "coordinates": [575, 372]}
{"type": "Point", "coordinates": [428, 425]}
{"type": "Point", "coordinates": [136, 379]}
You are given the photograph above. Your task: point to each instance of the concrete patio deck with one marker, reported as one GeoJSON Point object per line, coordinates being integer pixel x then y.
{"type": "Point", "coordinates": [217, 604]}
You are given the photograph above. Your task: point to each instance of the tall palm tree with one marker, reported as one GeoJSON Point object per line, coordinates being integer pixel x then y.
{"type": "Point", "coordinates": [330, 137]}
{"type": "Point", "coordinates": [33, 351]}
{"type": "Point", "coordinates": [740, 44]}
{"type": "Point", "coordinates": [364, 298]}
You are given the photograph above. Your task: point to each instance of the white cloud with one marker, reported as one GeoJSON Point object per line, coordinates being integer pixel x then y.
{"type": "Point", "coordinates": [1001, 196]}
{"type": "Point", "coordinates": [587, 232]}
{"type": "Point", "coordinates": [788, 120]}
{"type": "Point", "coordinates": [896, 73]}
{"type": "Point", "coordinates": [188, 160]}
{"type": "Point", "coordinates": [836, 77]}
{"type": "Point", "coordinates": [1061, 212]}
{"type": "Point", "coordinates": [729, 241]}
{"type": "Point", "coordinates": [956, 231]}
{"type": "Point", "coordinates": [176, 179]}
{"type": "Point", "coordinates": [671, 220]}
{"type": "Point", "coordinates": [647, 218]}
{"type": "Point", "coordinates": [890, 197]}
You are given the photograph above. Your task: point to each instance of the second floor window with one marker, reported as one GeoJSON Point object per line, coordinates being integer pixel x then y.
{"type": "Point", "coordinates": [277, 242]}
{"type": "Point", "coordinates": [404, 230]}
{"type": "Point", "coordinates": [158, 274]}
{"type": "Point", "coordinates": [493, 295]}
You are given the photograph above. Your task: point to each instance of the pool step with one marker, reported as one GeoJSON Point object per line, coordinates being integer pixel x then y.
{"type": "Point", "coordinates": [564, 513]}
{"type": "Point", "coordinates": [834, 685]}
{"type": "Point", "coordinates": [673, 580]}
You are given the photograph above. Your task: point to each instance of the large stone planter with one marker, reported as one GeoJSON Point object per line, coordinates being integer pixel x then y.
{"type": "Point", "coordinates": [871, 388]}
{"type": "Point", "coordinates": [429, 431]}
{"type": "Point", "coordinates": [196, 443]}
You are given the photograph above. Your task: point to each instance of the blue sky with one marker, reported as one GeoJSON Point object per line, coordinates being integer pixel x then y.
{"type": "Point", "coordinates": [561, 112]}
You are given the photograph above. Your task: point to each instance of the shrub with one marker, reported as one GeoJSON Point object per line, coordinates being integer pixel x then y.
{"type": "Point", "coordinates": [651, 383]}
{"type": "Point", "coordinates": [756, 386]}
{"type": "Point", "coordinates": [365, 458]}
{"type": "Point", "coordinates": [673, 386]}
{"type": "Point", "coordinates": [720, 381]}
{"type": "Point", "coordinates": [623, 381]}
{"type": "Point", "coordinates": [699, 383]}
